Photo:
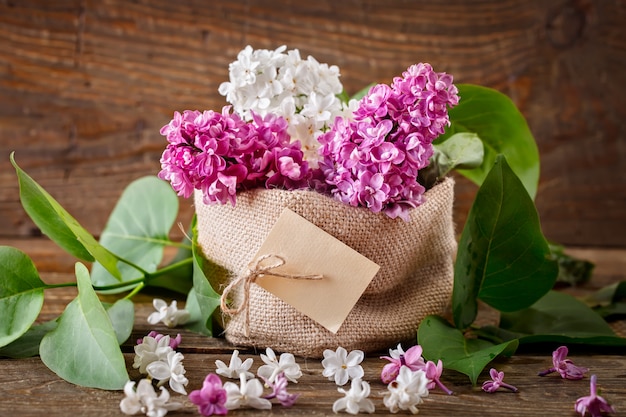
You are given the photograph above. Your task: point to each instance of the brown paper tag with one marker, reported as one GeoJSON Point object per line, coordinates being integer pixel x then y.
{"type": "Point", "coordinates": [308, 250]}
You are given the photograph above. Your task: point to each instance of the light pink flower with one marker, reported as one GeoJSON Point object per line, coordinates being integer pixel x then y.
{"type": "Point", "coordinates": [412, 359]}
{"type": "Point", "coordinates": [593, 403]}
{"type": "Point", "coordinates": [565, 367]}
{"type": "Point", "coordinates": [279, 391]}
{"type": "Point", "coordinates": [497, 381]}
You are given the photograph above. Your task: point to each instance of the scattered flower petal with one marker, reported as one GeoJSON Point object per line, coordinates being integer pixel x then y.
{"type": "Point", "coordinates": [158, 336]}
{"type": "Point", "coordinates": [248, 393]}
{"type": "Point", "coordinates": [145, 400]}
{"type": "Point", "coordinates": [341, 366]}
{"type": "Point", "coordinates": [170, 315]}
{"type": "Point", "coordinates": [279, 391]}
{"type": "Point", "coordinates": [211, 398]}
{"type": "Point", "coordinates": [407, 391]}
{"type": "Point", "coordinates": [355, 399]}
{"type": "Point", "coordinates": [286, 365]}
{"type": "Point", "coordinates": [151, 350]}
{"type": "Point", "coordinates": [593, 403]}
{"type": "Point", "coordinates": [235, 367]}
{"type": "Point", "coordinates": [171, 370]}
{"type": "Point", "coordinates": [565, 367]}
{"type": "Point", "coordinates": [433, 373]}
{"type": "Point", "coordinates": [497, 381]}
{"type": "Point", "coordinates": [398, 358]}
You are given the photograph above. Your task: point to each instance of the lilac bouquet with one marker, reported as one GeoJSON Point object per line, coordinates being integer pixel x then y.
{"type": "Point", "coordinates": [288, 128]}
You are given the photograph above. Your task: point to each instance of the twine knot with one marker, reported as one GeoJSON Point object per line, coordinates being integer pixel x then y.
{"type": "Point", "coordinates": [256, 269]}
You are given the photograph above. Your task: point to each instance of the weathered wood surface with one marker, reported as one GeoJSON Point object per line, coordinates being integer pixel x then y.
{"type": "Point", "coordinates": [86, 85]}
{"type": "Point", "coordinates": [28, 388]}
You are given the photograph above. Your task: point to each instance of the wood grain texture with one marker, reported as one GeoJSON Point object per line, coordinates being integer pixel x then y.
{"type": "Point", "coordinates": [86, 85]}
{"type": "Point", "coordinates": [28, 388]}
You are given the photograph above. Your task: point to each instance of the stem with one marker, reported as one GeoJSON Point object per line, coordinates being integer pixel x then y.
{"type": "Point", "coordinates": [166, 270]}
{"type": "Point", "coordinates": [443, 387]}
{"type": "Point", "coordinates": [134, 291]}
{"type": "Point", "coordinates": [147, 276]}
{"type": "Point", "coordinates": [546, 372]}
{"type": "Point", "coordinates": [508, 386]}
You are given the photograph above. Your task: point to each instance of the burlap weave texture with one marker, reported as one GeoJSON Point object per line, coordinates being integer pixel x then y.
{"type": "Point", "coordinates": [414, 280]}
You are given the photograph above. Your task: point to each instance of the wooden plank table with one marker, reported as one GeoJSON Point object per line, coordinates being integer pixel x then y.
{"type": "Point", "coordinates": [28, 388]}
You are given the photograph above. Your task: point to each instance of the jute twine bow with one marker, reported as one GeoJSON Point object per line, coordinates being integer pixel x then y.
{"type": "Point", "coordinates": [255, 270]}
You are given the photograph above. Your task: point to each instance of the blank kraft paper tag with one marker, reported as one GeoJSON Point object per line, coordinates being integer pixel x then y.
{"type": "Point", "coordinates": [308, 250]}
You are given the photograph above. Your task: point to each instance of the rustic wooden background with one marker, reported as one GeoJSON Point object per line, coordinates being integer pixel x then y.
{"type": "Point", "coordinates": [85, 86]}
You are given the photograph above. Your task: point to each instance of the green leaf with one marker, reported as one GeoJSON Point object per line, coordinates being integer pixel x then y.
{"type": "Point", "coordinates": [55, 222]}
{"type": "Point", "coordinates": [559, 317]}
{"type": "Point", "coordinates": [122, 316]}
{"type": "Point", "coordinates": [503, 258]}
{"type": "Point", "coordinates": [207, 299]}
{"type": "Point", "coordinates": [362, 92]}
{"type": "Point", "coordinates": [137, 229]}
{"type": "Point", "coordinates": [197, 323]}
{"type": "Point", "coordinates": [83, 349]}
{"type": "Point", "coordinates": [572, 271]}
{"type": "Point", "coordinates": [179, 276]}
{"type": "Point", "coordinates": [28, 344]}
{"type": "Point", "coordinates": [503, 130]}
{"type": "Point", "coordinates": [460, 151]}
{"type": "Point", "coordinates": [21, 294]}
{"type": "Point", "coordinates": [439, 340]}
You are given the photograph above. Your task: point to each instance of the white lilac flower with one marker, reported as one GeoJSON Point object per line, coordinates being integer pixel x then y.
{"type": "Point", "coordinates": [248, 393]}
{"type": "Point", "coordinates": [145, 400]}
{"type": "Point", "coordinates": [235, 367]}
{"type": "Point", "coordinates": [341, 366]}
{"type": "Point", "coordinates": [282, 83]}
{"type": "Point", "coordinates": [355, 399]}
{"type": "Point", "coordinates": [407, 391]}
{"type": "Point", "coordinates": [150, 350]}
{"type": "Point", "coordinates": [286, 364]}
{"type": "Point", "coordinates": [170, 315]}
{"type": "Point", "coordinates": [171, 370]}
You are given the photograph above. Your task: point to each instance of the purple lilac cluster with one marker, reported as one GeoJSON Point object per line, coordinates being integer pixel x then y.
{"type": "Point", "coordinates": [374, 159]}
{"type": "Point", "coordinates": [220, 154]}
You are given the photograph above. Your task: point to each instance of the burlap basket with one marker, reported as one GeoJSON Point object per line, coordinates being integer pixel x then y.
{"type": "Point", "coordinates": [415, 277]}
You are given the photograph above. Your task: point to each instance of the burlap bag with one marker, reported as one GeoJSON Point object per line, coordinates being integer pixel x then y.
{"type": "Point", "coordinates": [414, 280]}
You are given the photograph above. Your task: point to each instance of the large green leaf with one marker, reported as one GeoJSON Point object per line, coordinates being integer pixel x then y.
{"type": "Point", "coordinates": [208, 300]}
{"type": "Point", "coordinates": [439, 340]}
{"type": "Point", "coordinates": [560, 318]}
{"type": "Point", "coordinates": [55, 222]}
{"type": "Point", "coordinates": [503, 258]}
{"type": "Point", "coordinates": [122, 316]}
{"type": "Point", "coordinates": [503, 130]}
{"type": "Point", "coordinates": [138, 228]}
{"type": "Point", "coordinates": [84, 349]}
{"type": "Point", "coordinates": [27, 345]}
{"type": "Point", "coordinates": [21, 294]}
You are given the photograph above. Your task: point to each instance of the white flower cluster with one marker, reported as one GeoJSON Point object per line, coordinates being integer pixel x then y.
{"type": "Point", "coordinates": [248, 393]}
{"type": "Point", "coordinates": [156, 358]}
{"type": "Point", "coordinates": [304, 92]}
{"type": "Point", "coordinates": [404, 393]}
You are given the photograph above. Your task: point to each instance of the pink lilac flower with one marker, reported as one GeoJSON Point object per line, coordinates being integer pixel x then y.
{"type": "Point", "coordinates": [279, 391]}
{"type": "Point", "coordinates": [497, 381]}
{"type": "Point", "coordinates": [211, 398]}
{"type": "Point", "coordinates": [433, 373]}
{"type": "Point", "coordinates": [373, 161]}
{"type": "Point", "coordinates": [565, 367]}
{"type": "Point", "coordinates": [593, 403]}
{"type": "Point", "coordinates": [412, 359]}
{"type": "Point", "coordinates": [221, 153]}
